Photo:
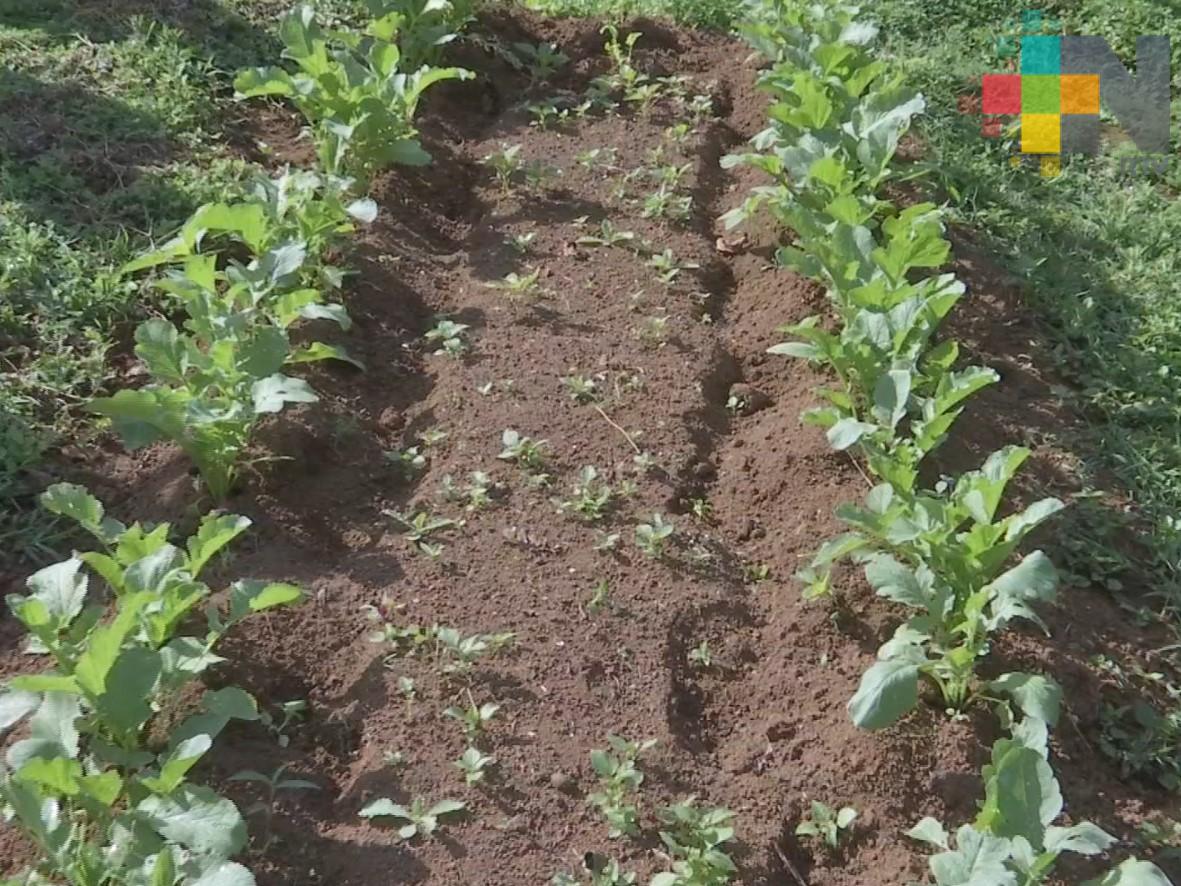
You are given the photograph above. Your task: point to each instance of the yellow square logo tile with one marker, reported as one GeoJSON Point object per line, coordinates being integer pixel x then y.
{"type": "Point", "coordinates": [1080, 93]}
{"type": "Point", "coordinates": [1041, 134]}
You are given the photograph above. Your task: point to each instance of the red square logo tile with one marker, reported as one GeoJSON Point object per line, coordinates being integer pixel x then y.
{"type": "Point", "coordinates": [1001, 94]}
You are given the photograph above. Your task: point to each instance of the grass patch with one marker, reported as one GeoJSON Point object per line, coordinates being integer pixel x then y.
{"type": "Point", "coordinates": [1099, 252]}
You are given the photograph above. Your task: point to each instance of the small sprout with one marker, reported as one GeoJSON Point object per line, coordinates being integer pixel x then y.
{"type": "Point", "coordinates": [757, 572]}
{"type": "Point", "coordinates": [671, 175]}
{"type": "Point", "coordinates": [582, 390]}
{"type": "Point", "coordinates": [408, 689]}
{"type": "Point", "coordinates": [394, 759]}
{"type": "Point", "coordinates": [474, 765]}
{"type": "Point", "coordinates": [701, 107]}
{"type": "Point", "coordinates": [591, 497]}
{"type": "Point", "coordinates": [603, 872]}
{"type": "Point", "coordinates": [451, 337]}
{"type": "Point", "coordinates": [460, 653]}
{"type": "Point", "coordinates": [411, 461]}
{"type": "Point", "coordinates": [651, 536]}
{"type": "Point", "coordinates": [476, 495]}
{"type": "Point", "coordinates": [505, 163]}
{"type": "Point", "coordinates": [420, 820]}
{"type": "Point", "coordinates": [291, 713]}
{"type": "Point", "coordinates": [546, 114]}
{"type": "Point", "coordinates": [644, 462]}
{"type": "Point", "coordinates": [701, 656]}
{"type": "Point", "coordinates": [520, 286]}
{"type": "Point", "coordinates": [608, 235]}
{"type": "Point", "coordinates": [694, 839]}
{"type": "Point", "coordinates": [678, 133]}
{"type": "Point", "coordinates": [539, 175]}
{"type": "Point", "coordinates": [432, 437]}
{"type": "Point", "coordinates": [600, 597]}
{"type": "Point", "coordinates": [474, 718]}
{"type": "Point", "coordinates": [421, 526]}
{"type": "Point", "coordinates": [826, 823]}
{"type": "Point", "coordinates": [542, 59]}
{"type": "Point", "coordinates": [668, 267]}
{"type": "Point", "coordinates": [653, 331]}
{"type": "Point", "coordinates": [736, 404]}
{"type": "Point", "coordinates": [606, 542]}
{"type": "Point", "coordinates": [618, 779]}
{"type": "Point", "coordinates": [594, 158]}
{"type": "Point", "coordinates": [525, 451]}
{"type": "Point", "coordinates": [521, 243]}
{"type": "Point", "coordinates": [702, 509]}
{"type": "Point", "coordinates": [665, 203]}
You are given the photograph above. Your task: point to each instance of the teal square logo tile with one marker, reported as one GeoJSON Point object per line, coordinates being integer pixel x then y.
{"type": "Point", "coordinates": [1041, 55]}
{"type": "Point", "coordinates": [1040, 94]}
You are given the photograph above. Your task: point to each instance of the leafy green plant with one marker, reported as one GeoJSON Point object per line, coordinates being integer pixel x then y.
{"type": "Point", "coordinates": [353, 89]}
{"type": "Point", "coordinates": [590, 497]}
{"type": "Point", "coordinates": [410, 461]}
{"type": "Point", "coordinates": [520, 287]}
{"type": "Point", "coordinates": [423, 27]}
{"type": "Point", "coordinates": [608, 235]}
{"type": "Point", "coordinates": [695, 839]}
{"type": "Point", "coordinates": [132, 811]}
{"type": "Point", "coordinates": [421, 526]}
{"type": "Point", "coordinates": [421, 820]}
{"type": "Point", "coordinates": [506, 163]}
{"type": "Point", "coordinates": [476, 496]}
{"type": "Point", "coordinates": [214, 381]}
{"type": "Point", "coordinates": [473, 718]}
{"type": "Point", "coordinates": [543, 60]}
{"type": "Point", "coordinates": [451, 337]}
{"type": "Point", "coordinates": [474, 765]}
{"type": "Point", "coordinates": [546, 115]}
{"type": "Point", "coordinates": [652, 536]}
{"type": "Point", "coordinates": [666, 203]}
{"type": "Point", "coordinates": [1013, 839]}
{"type": "Point", "coordinates": [525, 451]}
{"type": "Point", "coordinates": [582, 390]}
{"type": "Point", "coordinates": [701, 655]}
{"type": "Point", "coordinates": [1144, 741]}
{"type": "Point", "coordinates": [619, 778]}
{"type": "Point", "coordinates": [668, 267]}
{"type": "Point", "coordinates": [826, 823]}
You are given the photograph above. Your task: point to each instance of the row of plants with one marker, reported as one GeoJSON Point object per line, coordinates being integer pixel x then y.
{"type": "Point", "coordinates": [101, 784]}
{"type": "Point", "coordinates": [944, 551]}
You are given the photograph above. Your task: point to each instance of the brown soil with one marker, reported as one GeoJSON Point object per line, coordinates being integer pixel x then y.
{"type": "Point", "coordinates": [764, 729]}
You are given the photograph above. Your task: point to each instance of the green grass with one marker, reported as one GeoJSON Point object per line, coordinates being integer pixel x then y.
{"type": "Point", "coordinates": [716, 14]}
{"type": "Point", "coordinates": [110, 134]}
{"type": "Point", "coordinates": [1099, 255]}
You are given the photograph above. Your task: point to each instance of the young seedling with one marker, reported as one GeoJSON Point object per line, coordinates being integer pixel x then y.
{"type": "Point", "coordinates": [394, 759]}
{"type": "Point", "coordinates": [668, 267]}
{"type": "Point", "coordinates": [408, 688]}
{"type": "Point", "coordinates": [506, 163]}
{"type": "Point", "coordinates": [591, 498]}
{"type": "Point", "coordinates": [606, 542]}
{"type": "Point", "coordinates": [670, 175]}
{"type": "Point", "coordinates": [459, 654]}
{"type": "Point", "coordinates": [600, 598]}
{"type": "Point", "coordinates": [825, 823]}
{"type": "Point", "coordinates": [701, 107]}
{"type": "Point", "coordinates": [474, 765]}
{"type": "Point", "coordinates": [520, 287]}
{"type": "Point", "coordinates": [451, 338]}
{"type": "Point", "coordinates": [433, 437]}
{"type": "Point", "coordinates": [608, 236]}
{"type": "Point", "coordinates": [290, 713]}
{"type": "Point", "coordinates": [521, 243]}
{"type": "Point", "coordinates": [757, 572]}
{"type": "Point", "coordinates": [538, 175]}
{"type": "Point", "coordinates": [602, 872]}
{"type": "Point", "coordinates": [702, 510]}
{"type": "Point", "coordinates": [695, 839]}
{"type": "Point", "coordinates": [542, 59]}
{"type": "Point", "coordinates": [582, 390]}
{"type": "Point", "coordinates": [273, 785]}
{"type": "Point", "coordinates": [420, 527]}
{"type": "Point", "coordinates": [651, 536]}
{"type": "Point", "coordinates": [546, 114]}
{"type": "Point", "coordinates": [596, 158]}
{"type": "Point", "coordinates": [653, 331]}
{"type": "Point", "coordinates": [619, 778]}
{"type": "Point", "coordinates": [420, 819]}
{"type": "Point", "coordinates": [666, 203]}
{"type": "Point", "coordinates": [474, 718]}
{"type": "Point", "coordinates": [700, 655]}
{"type": "Point", "coordinates": [525, 451]}
{"type": "Point", "coordinates": [410, 461]}
{"type": "Point", "coordinates": [678, 133]}
{"type": "Point", "coordinates": [476, 496]}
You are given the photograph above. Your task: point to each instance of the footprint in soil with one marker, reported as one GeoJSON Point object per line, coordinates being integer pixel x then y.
{"type": "Point", "coordinates": [687, 706]}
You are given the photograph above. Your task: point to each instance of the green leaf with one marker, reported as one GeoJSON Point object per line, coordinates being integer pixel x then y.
{"type": "Point", "coordinates": [887, 691]}
{"type": "Point", "coordinates": [264, 355]}
{"type": "Point", "coordinates": [1021, 794]}
{"type": "Point", "coordinates": [384, 807]}
{"type": "Point", "coordinates": [1133, 872]}
{"type": "Point", "coordinates": [57, 775]}
{"type": "Point", "coordinates": [978, 860]}
{"type": "Point", "coordinates": [60, 588]}
{"type": "Point", "coordinates": [273, 393]}
{"type": "Point", "coordinates": [1035, 695]}
{"type": "Point", "coordinates": [15, 706]}
{"type": "Point", "coordinates": [227, 873]}
{"type": "Point", "coordinates": [929, 830]}
{"type": "Point", "coordinates": [198, 819]}
{"type": "Point", "coordinates": [890, 396]}
{"type": "Point", "coordinates": [318, 350]}
{"type": "Point", "coordinates": [848, 431]}
{"type": "Point", "coordinates": [1084, 838]}
{"type": "Point", "coordinates": [102, 650]}
{"type": "Point", "coordinates": [76, 503]}
{"type": "Point", "coordinates": [125, 703]}
{"type": "Point", "coordinates": [182, 758]}
{"type": "Point", "coordinates": [215, 532]}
